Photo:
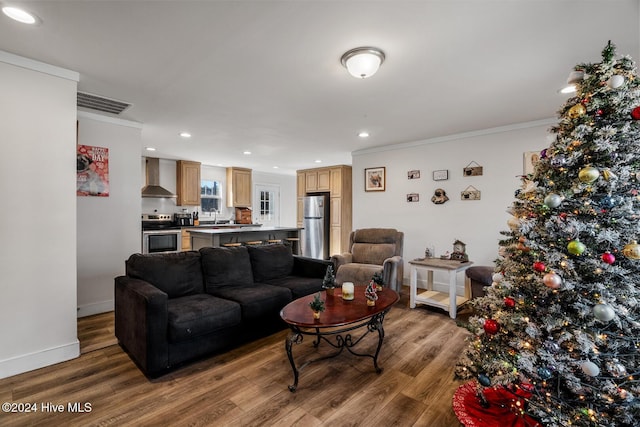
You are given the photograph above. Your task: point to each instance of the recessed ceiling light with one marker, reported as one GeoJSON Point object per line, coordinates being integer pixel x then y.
{"type": "Point", "coordinates": [568, 89]}
{"type": "Point", "coordinates": [246, 153]}
{"type": "Point", "coordinates": [150, 149]}
{"type": "Point", "coordinates": [318, 161]}
{"type": "Point", "coordinates": [185, 134]}
{"type": "Point", "coordinates": [19, 15]}
{"type": "Point", "coordinates": [364, 134]}
{"type": "Point", "coordinates": [276, 167]}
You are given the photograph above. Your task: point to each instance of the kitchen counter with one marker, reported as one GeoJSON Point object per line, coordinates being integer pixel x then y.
{"type": "Point", "coordinates": [227, 225]}
{"type": "Point", "coordinates": [207, 237]}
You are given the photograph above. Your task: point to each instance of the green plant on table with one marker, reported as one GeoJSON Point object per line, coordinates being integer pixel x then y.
{"type": "Point", "coordinates": [317, 304]}
{"type": "Point", "coordinates": [329, 281]}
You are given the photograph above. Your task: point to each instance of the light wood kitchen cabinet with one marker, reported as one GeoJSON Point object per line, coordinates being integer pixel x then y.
{"type": "Point", "coordinates": [301, 184]}
{"type": "Point", "coordinates": [317, 180]}
{"type": "Point", "coordinates": [335, 180]}
{"type": "Point", "coordinates": [238, 187]}
{"type": "Point", "coordinates": [188, 183]}
{"type": "Point", "coordinates": [186, 240]}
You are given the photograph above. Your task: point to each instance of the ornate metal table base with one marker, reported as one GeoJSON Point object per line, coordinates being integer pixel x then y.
{"type": "Point", "coordinates": [343, 339]}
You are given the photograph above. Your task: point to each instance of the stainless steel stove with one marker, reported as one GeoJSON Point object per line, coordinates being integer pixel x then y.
{"type": "Point", "coordinates": [160, 234]}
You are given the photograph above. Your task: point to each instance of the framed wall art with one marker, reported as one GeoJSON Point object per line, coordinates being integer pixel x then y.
{"type": "Point", "coordinates": [374, 179]}
{"type": "Point", "coordinates": [413, 197]}
{"type": "Point", "coordinates": [472, 169]}
{"type": "Point", "coordinates": [414, 174]}
{"type": "Point", "coordinates": [470, 193]}
{"type": "Point", "coordinates": [92, 171]}
{"type": "Point", "coordinates": [441, 175]}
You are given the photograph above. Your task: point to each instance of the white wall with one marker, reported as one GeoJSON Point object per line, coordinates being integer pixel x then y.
{"type": "Point", "coordinates": [476, 223]}
{"type": "Point", "coordinates": [38, 215]}
{"type": "Point", "coordinates": [108, 227]}
{"type": "Point", "coordinates": [288, 200]}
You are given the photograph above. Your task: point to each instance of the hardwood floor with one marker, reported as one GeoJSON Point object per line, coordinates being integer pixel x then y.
{"type": "Point", "coordinates": [248, 386]}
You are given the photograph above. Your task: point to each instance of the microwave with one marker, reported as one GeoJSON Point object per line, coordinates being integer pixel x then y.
{"type": "Point", "coordinates": [161, 241]}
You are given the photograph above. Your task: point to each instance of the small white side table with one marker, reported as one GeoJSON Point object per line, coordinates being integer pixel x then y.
{"type": "Point", "coordinates": [449, 302]}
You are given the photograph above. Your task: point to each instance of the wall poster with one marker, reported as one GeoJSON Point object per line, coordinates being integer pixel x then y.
{"type": "Point", "coordinates": [92, 167]}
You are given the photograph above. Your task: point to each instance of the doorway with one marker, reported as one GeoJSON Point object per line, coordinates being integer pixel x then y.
{"type": "Point", "coordinates": [267, 205]}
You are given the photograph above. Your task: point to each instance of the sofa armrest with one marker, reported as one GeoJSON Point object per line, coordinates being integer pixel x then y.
{"type": "Point", "coordinates": [340, 259]}
{"type": "Point", "coordinates": [309, 267]}
{"type": "Point", "coordinates": [141, 317]}
{"type": "Point", "coordinates": [392, 272]}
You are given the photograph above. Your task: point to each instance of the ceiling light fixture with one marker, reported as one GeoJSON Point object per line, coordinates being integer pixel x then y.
{"type": "Point", "coordinates": [246, 153]}
{"type": "Point", "coordinates": [19, 15]}
{"type": "Point", "coordinates": [150, 149]}
{"type": "Point", "coordinates": [363, 62]}
{"type": "Point", "coordinates": [364, 134]}
{"type": "Point", "coordinates": [318, 161]}
{"type": "Point", "coordinates": [185, 134]}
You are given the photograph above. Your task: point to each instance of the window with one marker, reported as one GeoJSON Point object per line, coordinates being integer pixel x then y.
{"type": "Point", "coordinates": [210, 196]}
{"type": "Point", "coordinates": [266, 206]}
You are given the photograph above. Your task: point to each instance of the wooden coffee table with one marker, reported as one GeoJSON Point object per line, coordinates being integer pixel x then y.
{"type": "Point", "coordinates": [336, 323]}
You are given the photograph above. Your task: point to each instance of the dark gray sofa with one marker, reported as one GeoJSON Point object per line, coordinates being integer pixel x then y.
{"type": "Point", "coordinates": [172, 308]}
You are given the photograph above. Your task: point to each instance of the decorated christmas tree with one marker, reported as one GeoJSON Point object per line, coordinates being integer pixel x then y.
{"type": "Point", "coordinates": [560, 324]}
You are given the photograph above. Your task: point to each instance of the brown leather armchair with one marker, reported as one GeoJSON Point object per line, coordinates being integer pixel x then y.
{"type": "Point", "coordinates": [371, 250]}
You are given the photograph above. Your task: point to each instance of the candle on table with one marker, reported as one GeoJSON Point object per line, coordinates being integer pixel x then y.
{"type": "Point", "coordinates": [347, 291]}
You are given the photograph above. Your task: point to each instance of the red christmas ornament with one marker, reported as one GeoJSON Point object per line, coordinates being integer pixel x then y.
{"type": "Point", "coordinates": [608, 257]}
{"type": "Point", "coordinates": [491, 327]}
{"type": "Point", "coordinates": [539, 266]}
{"type": "Point", "coordinates": [635, 113]}
{"type": "Point", "coordinates": [563, 215]}
{"type": "Point", "coordinates": [509, 302]}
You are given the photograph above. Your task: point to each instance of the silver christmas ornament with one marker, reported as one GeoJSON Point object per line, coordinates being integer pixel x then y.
{"type": "Point", "coordinates": [590, 368]}
{"type": "Point", "coordinates": [553, 200]}
{"type": "Point", "coordinates": [616, 368]}
{"type": "Point", "coordinates": [603, 312]}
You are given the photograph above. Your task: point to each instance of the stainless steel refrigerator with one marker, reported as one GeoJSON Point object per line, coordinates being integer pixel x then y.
{"type": "Point", "coordinates": [315, 235]}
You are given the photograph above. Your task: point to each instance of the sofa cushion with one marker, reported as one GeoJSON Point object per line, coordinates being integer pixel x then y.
{"type": "Point", "coordinates": [270, 261]}
{"type": "Point", "coordinates": [200, 314]}
{"type": "Point", "coordinates": [257, 301]}
{"type": "Point", "coordinates": [226, 267]}
{"type": "Point", "coordinates": [299, 286]}
{"type": "Point", "coordinates": [368, 253]}
{"type": "Point", "coordinates": [359, 274]}
{"type": "Point", "coordinates": [176, 274]}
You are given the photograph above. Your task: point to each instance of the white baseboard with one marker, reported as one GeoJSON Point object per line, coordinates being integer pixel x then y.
{"type": "Point", "coordinates": [32, 361]}
{"type": "Point", "coordinates": [95, 308]}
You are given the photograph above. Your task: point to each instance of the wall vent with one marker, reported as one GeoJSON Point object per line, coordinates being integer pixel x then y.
{"type": "Point", "coordinates": [100, 103]}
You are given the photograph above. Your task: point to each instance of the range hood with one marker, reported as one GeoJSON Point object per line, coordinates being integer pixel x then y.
{"type": "Point", "coordinates": [153, 189]}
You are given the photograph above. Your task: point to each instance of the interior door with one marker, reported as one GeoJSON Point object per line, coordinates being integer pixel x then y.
{"type": "Point", "coordinates": [266, 205]}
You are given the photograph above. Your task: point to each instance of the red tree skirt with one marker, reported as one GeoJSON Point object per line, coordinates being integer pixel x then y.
{"type": "Point", "coordinates": [500, 413]}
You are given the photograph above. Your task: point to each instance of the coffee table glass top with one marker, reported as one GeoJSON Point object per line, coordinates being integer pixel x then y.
{"type": "Point", "coordinates": [338, 312]}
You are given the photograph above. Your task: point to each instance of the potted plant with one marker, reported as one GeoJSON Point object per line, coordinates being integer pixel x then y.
{"type": "Point", "coordinates": [378, 280]}
{"type": "Point", "coordinates": [317, 305]}
{"type": "Point", "coordinates": [329, 281]}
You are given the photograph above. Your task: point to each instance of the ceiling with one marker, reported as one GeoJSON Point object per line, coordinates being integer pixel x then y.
{"type": "Point", "coordinates": [265, 76]}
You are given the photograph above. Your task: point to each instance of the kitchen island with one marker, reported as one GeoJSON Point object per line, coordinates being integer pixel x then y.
{"type": "Point", "coordinates": [208, 237]}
